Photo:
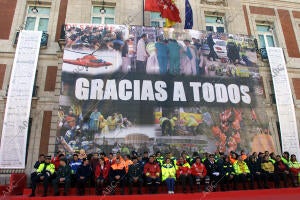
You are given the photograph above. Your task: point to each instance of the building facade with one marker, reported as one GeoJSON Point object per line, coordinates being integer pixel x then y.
{"type": "Point", "coordinates": [271, 22]}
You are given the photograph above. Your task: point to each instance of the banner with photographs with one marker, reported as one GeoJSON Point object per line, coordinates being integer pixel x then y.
{"type": "Point", "coordinates": [148, 89]}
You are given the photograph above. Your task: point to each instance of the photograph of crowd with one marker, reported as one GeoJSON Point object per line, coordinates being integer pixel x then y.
{"type": "Point", "coordinates": [93, 49]}
{"type": "Point", "coordinates": [191, 53]}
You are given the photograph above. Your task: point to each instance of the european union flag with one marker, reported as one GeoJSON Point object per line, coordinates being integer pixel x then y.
{"type": "Point", "coordinates": [188, 15]}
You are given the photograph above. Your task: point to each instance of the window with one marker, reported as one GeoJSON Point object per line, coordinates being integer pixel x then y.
{"type": "Point", "coordinates": [265, 36]}
{"type": "Point", "coordinates": [35, 86]}
{"type": "Point", "coordinates": [272, 93]}
{"type": "Point", "coordinates": [37, 21]}
{"type": "Point", "coordinates": [215, 24]}
{"type": "Point", "coordinates": [156, 20]}
{"type": "Point", "coordinates": [107, 18]}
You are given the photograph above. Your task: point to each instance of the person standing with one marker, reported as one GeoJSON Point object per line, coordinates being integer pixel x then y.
{"type": "Point", "coordinates": [188, 59]}
{"type": "Point", "coordinates": [44, 174]}
{"type": "Point", "coordinates": [94, 120]}
{"type": "Point", "coordinates": [191, 54]}
{"type": "Point", "coordinates": [63, 176]}
{"type": "Point", "coordinates": [125, 58]}
{"type": "Point", "coordinates": [210, 42]}
{"type": "Point", "coordinates": [174, 57]}
{"type": "Point", "coordinates": [162, 55]}
{"type": "Point", "coordinates": [232, 51]}
{"type": "Point", "coordinates": [141, 54]}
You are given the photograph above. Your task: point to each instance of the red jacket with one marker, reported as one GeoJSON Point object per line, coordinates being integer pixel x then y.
{"type": "Point", "coordinates": [184, 168]}
{"type": "Point", "coordinates": [152, 169]}
{"type": "Point", "coordinates": [55, 161]}
{"type": "Point", "coordinates": [199, 169]}
{"type": "Point", "coordinates": [107, 161]}
{"type": "Point", "coordinates": [101, 172]}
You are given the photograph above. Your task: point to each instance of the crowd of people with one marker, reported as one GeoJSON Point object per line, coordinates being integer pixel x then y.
{"type": "Point", "coordinates": [199, 171]}
{"type": "Point", "coordinates": [168, 56]}
{"type": "Point", "coordinates": [188, 57]}
{"type": "Point", "coordinates": [94, 38]}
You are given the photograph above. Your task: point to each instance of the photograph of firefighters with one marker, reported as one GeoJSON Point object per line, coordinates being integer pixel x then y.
{"type": "Point", "coordinates": [226, 129]}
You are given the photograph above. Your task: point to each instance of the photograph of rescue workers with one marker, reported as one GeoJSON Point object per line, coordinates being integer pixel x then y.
{"type": "Point", "coordinates": [213, 128]}
{"type": "Point", "coordinates": [93, 49]}
{"type": "Point", "coordinates": [201, 129]}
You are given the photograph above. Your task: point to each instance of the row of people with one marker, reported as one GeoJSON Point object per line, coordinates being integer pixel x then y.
{"type": "Point", "coordinates": [108, 172]}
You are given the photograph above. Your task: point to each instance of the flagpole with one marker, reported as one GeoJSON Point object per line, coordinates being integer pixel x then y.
{"type": "Point", "coordinates": [143, 7]}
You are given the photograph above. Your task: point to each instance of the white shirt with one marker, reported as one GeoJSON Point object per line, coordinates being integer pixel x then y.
{"type": "Point", "coordinates": [141, 54]}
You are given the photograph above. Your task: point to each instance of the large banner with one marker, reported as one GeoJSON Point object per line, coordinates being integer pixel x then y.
{"type": "Point", "coordinates": [18, 104]}
{"type": "Point", "coordinates": [149, 89]}
{"type": "Point", "coordinates": [284, 101]}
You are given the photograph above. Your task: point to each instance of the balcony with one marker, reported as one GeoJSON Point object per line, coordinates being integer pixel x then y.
{"type": "Point", "coordinates": [44, 39]}
{"type": "Point", "coordinates": [263, 53]}
{"type": "Point", "coordinates": [35, 91]}
{"type": "Point", "coordinates": [62, 39]}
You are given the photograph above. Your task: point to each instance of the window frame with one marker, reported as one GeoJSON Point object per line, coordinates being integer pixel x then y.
{"type": "Point", "coordinates": [265, 35]}
{"type": "Point", "coordinates": [161, 21]}
{"type": "Point", "coordinates": [215, 25]}
{"type": "Point", "coordinates": [103, 16]}
{"type": "Point", "coordinates": [37, 16]}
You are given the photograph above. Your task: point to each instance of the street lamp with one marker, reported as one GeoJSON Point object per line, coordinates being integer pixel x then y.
{"type": "Point", "coordinates": [271, 28]}
{"type": "Point", "coordinates": [34, 10]}
{"type": "Point", "coordinates": [102, 10]}
{"type": "Point", "coordinates": [219, 20]}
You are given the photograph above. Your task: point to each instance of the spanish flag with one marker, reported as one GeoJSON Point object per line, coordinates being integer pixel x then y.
{"type": "Point", "coordinates": [152, 5]}
{"type": "Point", "coordinates": [169, 11]}
{"type": "Point", "coordinates": [169, 23]}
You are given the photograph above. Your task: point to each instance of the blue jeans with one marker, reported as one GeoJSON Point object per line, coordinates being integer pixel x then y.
{"type": "Point", "coordinates": [170, 184]}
